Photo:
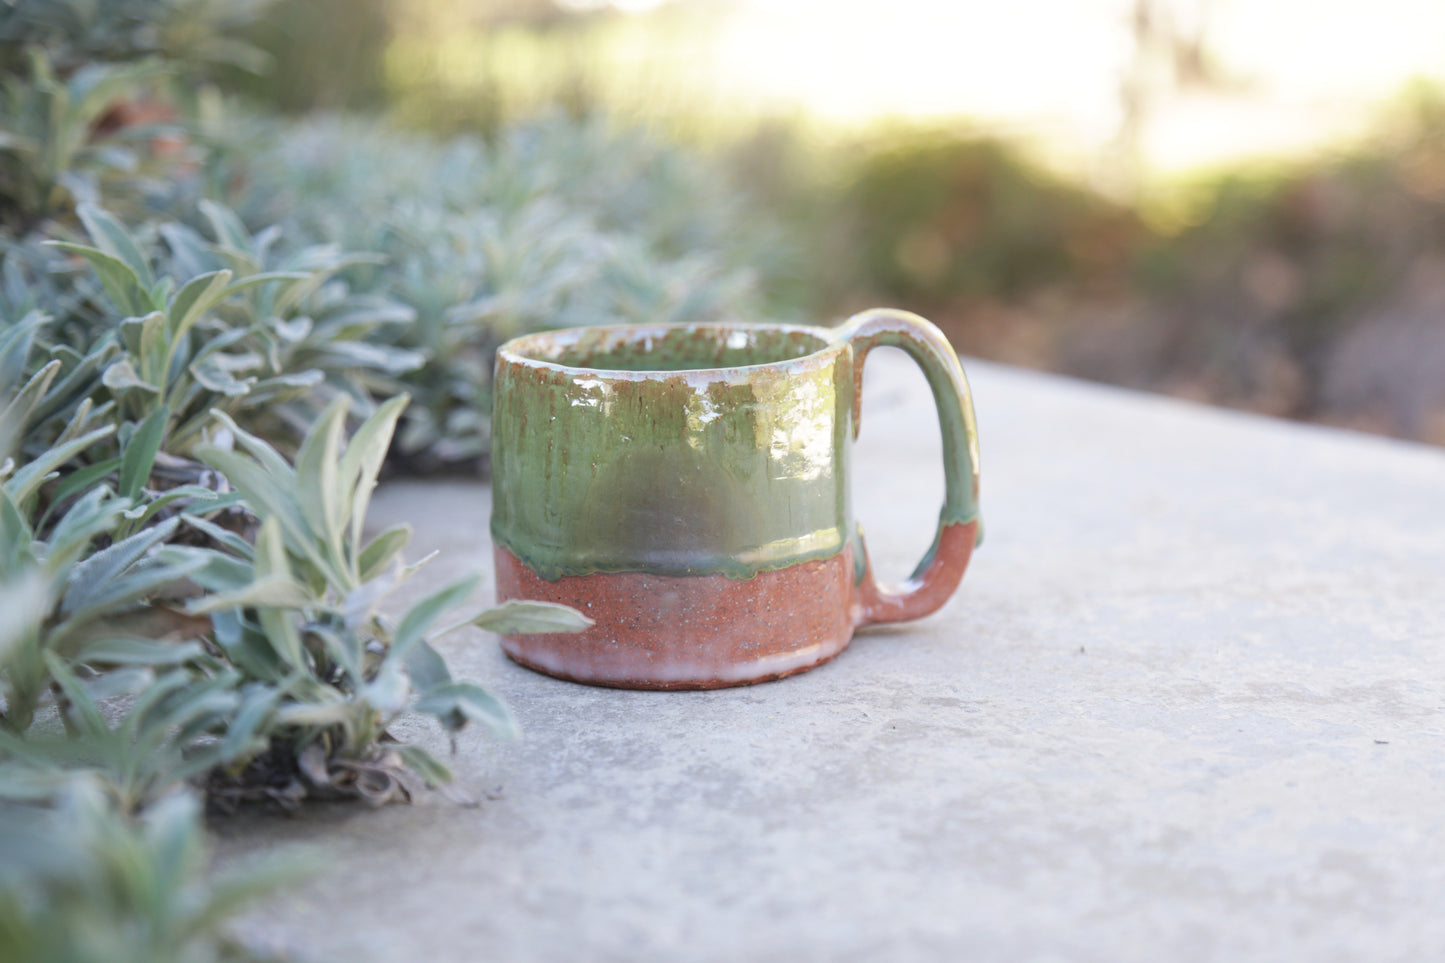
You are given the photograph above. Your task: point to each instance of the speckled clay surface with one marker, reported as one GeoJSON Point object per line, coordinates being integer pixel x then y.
{"type": "Point", "coordinates": [687, 488]}
{"type": "Point", "coordinates": [687, 631]}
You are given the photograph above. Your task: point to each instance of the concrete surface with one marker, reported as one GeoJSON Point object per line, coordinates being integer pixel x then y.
{"type": "Point", "coordinates": [1186, 706]}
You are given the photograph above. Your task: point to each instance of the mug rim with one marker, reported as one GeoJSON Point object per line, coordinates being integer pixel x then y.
{"type": "Point", "coordinates": [512, 350]}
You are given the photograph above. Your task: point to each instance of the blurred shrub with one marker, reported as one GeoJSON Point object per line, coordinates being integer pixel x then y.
{"type": "Point", "coordinates": [454, 67]}
{"type": "Point", "coordinates": [1294, 289]}
{"type": "Point", "coordinates": [317, 54]}
{"type": "Point", "coordinates": [67, 139]}
{"type": "Point", "coordinates": [941, 215]}
{"type": "Point", "coordinates": [77, 33]}
{"type": "Point", "coordinates": [83, 883]}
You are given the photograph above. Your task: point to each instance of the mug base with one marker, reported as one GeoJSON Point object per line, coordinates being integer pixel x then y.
{"type": "Point", "coordinates": [655, 686]}
{"type": "Point", "coordinates": [686, 632]}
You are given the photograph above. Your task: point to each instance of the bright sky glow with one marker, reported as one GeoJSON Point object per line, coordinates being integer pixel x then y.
{"type": "Point", "coordinates": [1301, 72]}
{"type": "Point", "coordinates": [1296, 74]}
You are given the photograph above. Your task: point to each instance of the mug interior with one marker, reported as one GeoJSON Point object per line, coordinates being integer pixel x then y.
{"type": "Point", "coordinates": [677, 348]}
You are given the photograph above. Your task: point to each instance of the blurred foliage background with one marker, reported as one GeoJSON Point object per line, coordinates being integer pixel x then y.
{"type": "Point", "coordinates": [1234, 202]}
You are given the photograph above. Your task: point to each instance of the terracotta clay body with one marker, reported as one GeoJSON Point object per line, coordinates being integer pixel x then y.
{"type": "Point", "coordinates": [687, 488]}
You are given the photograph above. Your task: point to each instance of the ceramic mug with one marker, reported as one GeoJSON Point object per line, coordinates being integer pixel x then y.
{"type": "Point", "coordinates": [687, 487]}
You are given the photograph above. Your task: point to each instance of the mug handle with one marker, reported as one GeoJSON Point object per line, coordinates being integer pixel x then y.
{"type": "Point", "coordinates": [959, 531]}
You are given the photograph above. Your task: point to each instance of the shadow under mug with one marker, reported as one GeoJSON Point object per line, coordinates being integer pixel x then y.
{"type": "Point", "coordinates": [687, 488]}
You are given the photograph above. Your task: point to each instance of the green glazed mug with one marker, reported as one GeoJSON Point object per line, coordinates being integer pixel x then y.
{"type": "Point", "coordinates": [687, 488]}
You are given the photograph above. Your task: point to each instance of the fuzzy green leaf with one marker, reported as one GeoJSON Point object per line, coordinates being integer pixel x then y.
{"type": "Point", "coordinates": [471, 702]}
{"type": "Point", "coordinates": [269, 591]}
{"type": "Point", "coordinates": [279, 624]}
{"type": "Point", "coordinates": [176, 850]}
{"type": "Point", "coordinates": [92, 513]}
{"type": "Point", "coordinates": [425, 765]}
{"type": "Point", "coordinates": [31, 476]}
{"type": "Point", "coordinates": [140, 452]}
{"type": "Point", "coordinates": [265, 496]}
{"type": "Point", "coordinates": [208, 499]}
{"type": "Point", "coordinates": [277, 467]}
{"type": "Point", "coordinates": [18, 339]}
{"type": "Point", "coordinates": [316, 470]}
{"type": "Point", "coordinates": [111, 237]}
{"type": "Point", "coordinates": [387, 692]}
{"type": "Point", "coordinates": [120, 376]}
{"type": "Point", "coordinates": [246, 730]}
{"type": "Point", "coordinates": [519, 617]}
{"type": "Point", "coordinates": [78, 381]}
{"type": "Point", "coordinates": [230, 539]}
{"type": "Point", "coordinates": [426, 667]}
{"type": "Point", "coordinates": [248, 650]}
{"type": "Point", "coordinates": [265, 277]}
{"type": "Point", "coordinates": [221, 573]}
{"type": "Point", "coordinates": [212, 376]}
{"type": "Point", "coordinates": [125, 593]}
{"type": "Point", "coordinates": [362, 462]}
{"type": "Point", "coordinates": [139, 333]}
{"type": "Point", "coordinates": [363, 354]}
{"type": "Point", "coordinates": [136, 651]}
{"type": "Point", "coordinates": [84, 414]}
{"type": "Point", "coordinates": [100, 571]}
{"type": "Point", "coordinates": [230, 232]}
{"type": "Point", "coordinates": [26, 605]}
{"type": "Point", "coordinates": [420, 616]}
{"type": "Point", "coordinates": [15, 537]}
{"type": "Point", "coordinates": [284, 386]}
{"type": "Point", "coordinates": [15, 415]}
{"type": "Point", "coordinates": [315, 714]}
{"type": "Point", "coordinates": [191, 256]}
{"type": "Point", "coordinates": [120, 281]}
{"type": "Point", "coordinates": [292, 331]}
{"type": "Point", "coordinates": [199, 295]}
{"type": "Point", "coordinates": [381, 550]}
{"type": "Point", "coordinates": [84, 479]}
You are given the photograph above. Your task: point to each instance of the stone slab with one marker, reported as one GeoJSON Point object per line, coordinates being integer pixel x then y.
{"type": "Point", "coordinates": [1187, 706]}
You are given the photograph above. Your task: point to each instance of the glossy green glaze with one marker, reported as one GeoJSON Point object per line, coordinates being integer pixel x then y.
{"type": "Point", "coordinates": [677, 450]}
{"type": "Point", "coordinates": [701, 449]}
